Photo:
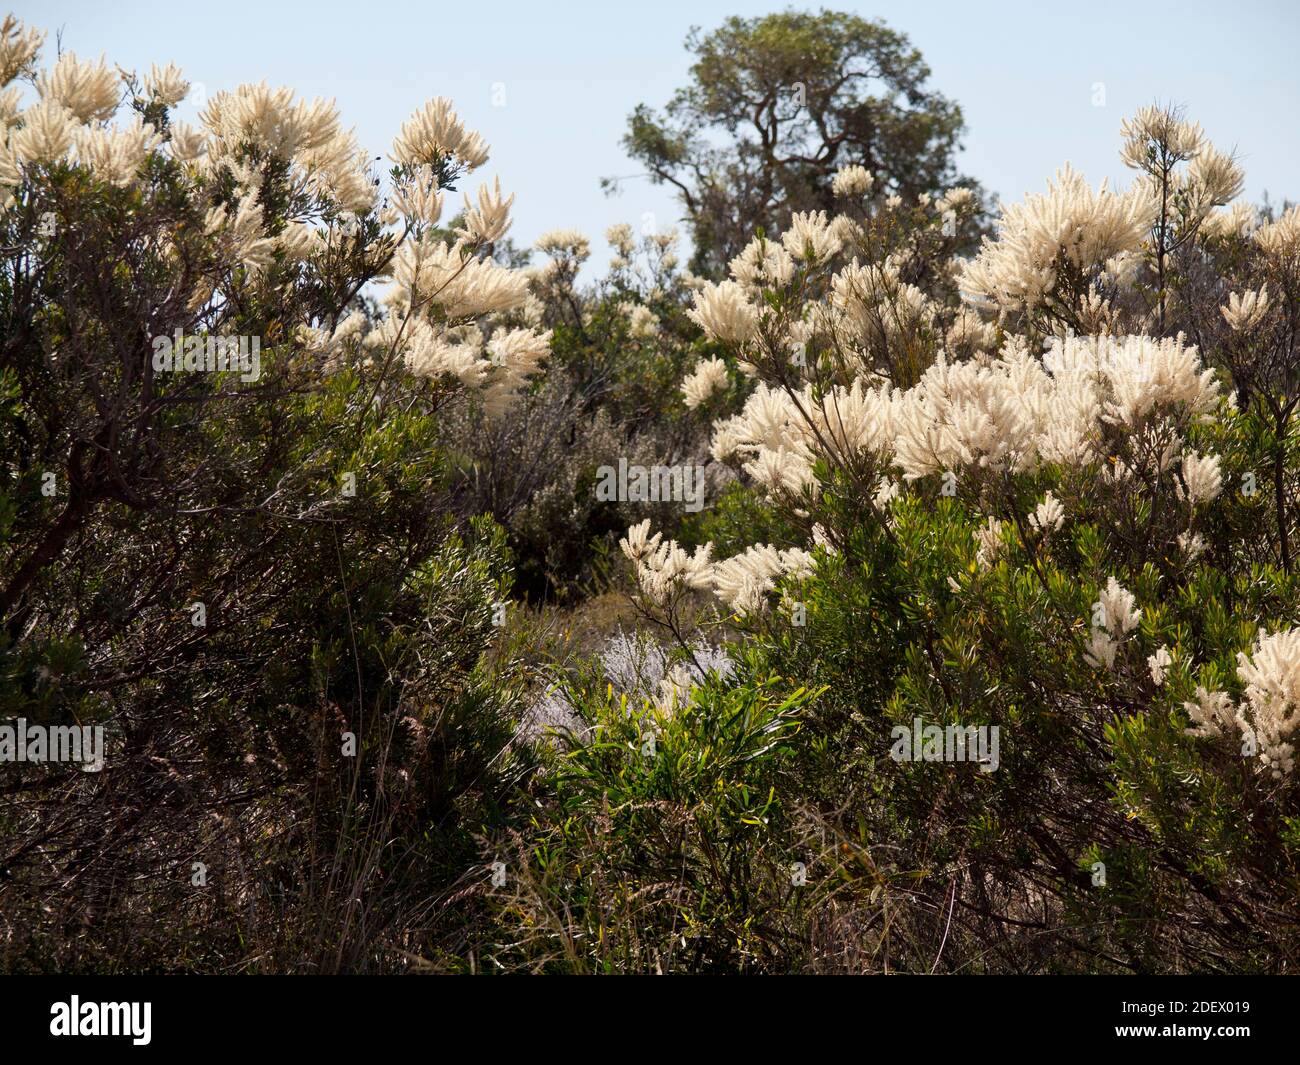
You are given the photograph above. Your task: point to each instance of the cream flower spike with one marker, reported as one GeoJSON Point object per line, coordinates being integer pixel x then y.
{"type": "Point", "coordinates": [708, 378]}
{"type": "Point", "coordinates": [488, 220]}
{"type": "Point", "coordinates": [724, 312]}
{"type": "Point", "coordinates": [852, 181]}
{"type": "Point", "coordinates": [19, 46]}
{"type": "Point", "coordinates": [435, 133]}
{"type": "Point", "coordinates": [89, 90]}
{"type": "Point", "coordinates": [167, 84]}
{"type": "Point", "coordinates": [1271, 674]}
{"type": "Point", "coordinates": [47, 132]}
{"type": "Point", "coordinates": [1244, 310]}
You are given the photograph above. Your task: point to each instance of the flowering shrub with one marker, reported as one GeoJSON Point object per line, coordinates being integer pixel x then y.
{"type": "Point", "coordinates": [253, 581]}
{"type": "Point", "coordinates": [1026, 499]}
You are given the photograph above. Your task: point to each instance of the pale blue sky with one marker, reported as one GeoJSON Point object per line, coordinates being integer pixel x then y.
{"type": "Point", "coordinates": [572, 72]}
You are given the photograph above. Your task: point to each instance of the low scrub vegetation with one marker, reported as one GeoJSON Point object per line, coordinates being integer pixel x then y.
{"type": "Point", "coordinates": [894, 588]}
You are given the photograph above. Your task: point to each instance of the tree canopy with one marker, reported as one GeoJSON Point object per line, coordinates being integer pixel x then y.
{"type": "Point", "coordinates": [775, 106]}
